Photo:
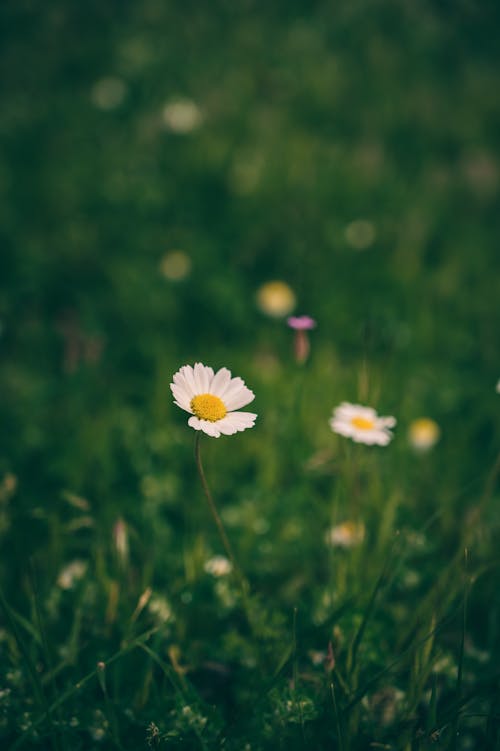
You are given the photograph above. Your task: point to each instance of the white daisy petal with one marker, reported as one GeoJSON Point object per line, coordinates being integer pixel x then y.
{"type": "Point", "coordinates": [194, 422]}
{"type": "Point", "coordinates": [238, 420]}
{"type": "Point", "coordinates": [233, 387]}
{"type": "Point", "coordinates": [180, 380]}
{"type": "Point", "coordinates": [203, 376]}
{"type": "Point", "coordinates": [181, 397]}
{"type": "Point", "coordinates": [210, 428]}
{"type": "Point", "coordinates": [241, 398]}
{"type": "Point", "coordinates": [188, 375]}
{"type": "Point", "coordinates": [220, 382]}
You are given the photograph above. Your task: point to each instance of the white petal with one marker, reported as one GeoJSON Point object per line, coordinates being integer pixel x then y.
{"type": "Point", "coordinates": [235, 422]}
{"type": "Point", "coordinates": [234, 386]}
{"type": "Point", "coordinates": [181, 397]}
{"type": "Point", "coordinates": [180, 380]}
{"type": "Point", "coordinates": [188, 375]}
{"type": "Point", "coordinates": [210, 428]}
{"type": "Point", "coordinates": [220, 382]}
{"type": "Point", "coordinates": [202, 376]}
{"type": "Point", "coordinates": [194, 422]}
{"type": "Point", "coordinates": [240, 398]}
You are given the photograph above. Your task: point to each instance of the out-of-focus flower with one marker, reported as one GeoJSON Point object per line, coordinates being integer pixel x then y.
{"type": "Point", "coordinates": [219, 565]}
{"type": "Point", "coordinates": [8, 486]}
{"type": "Point", "coordinates": [212, 398]}
{"type": "Point", "coordinates": [301, 325]}
{"type": "Point", "coordinates": [71, 573]}
{"type": "Point", "coordinates": [276, 299]}
{"type": "Point", "coordinates": [497, 387]}
{"type": "Point", "coordinates": [360, 234]}
{"type": "Point", "coordinates": [175, 265]}
{"type": "Point", "coordinates": [160, 608]}
{"type": "Point", "coordinates": [423, 434]}
{"type": "Point", "coordinates": [362, 424]}
{"type": "Point", "coordinates": [346, 535]}
{"type": "Point", "coordinates": [108, 93]}
{"type": "Point", "coordinates": [182, 115]}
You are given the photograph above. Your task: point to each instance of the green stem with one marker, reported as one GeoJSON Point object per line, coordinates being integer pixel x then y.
{"type": "Point", "coordinates": [220, 527]}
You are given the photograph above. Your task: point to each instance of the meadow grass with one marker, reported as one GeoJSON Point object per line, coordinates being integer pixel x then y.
{"type": "Point", "coordinates": [163, 162]}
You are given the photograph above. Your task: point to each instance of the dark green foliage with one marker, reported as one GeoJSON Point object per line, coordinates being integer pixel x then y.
{"type": "Point", "coordinates": [350, 149]}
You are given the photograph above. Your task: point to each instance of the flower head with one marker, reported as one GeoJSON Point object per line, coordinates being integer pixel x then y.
{"type": "Point", "coordinates": [211, 399]}
{"type": "Point", "coordinates": [423, 433]}
{"type": "Point", "coordinates": [346, 535]}
{"type": "Point", "coordinates": [276, 299]}
{"type": "Point", "coordinates": [182, 115]}
{"type": "Point", "coordinates": [362, 424]}
{"type": "Point", "coordinates": [301, 323]}
{"type": "Point", "coordinates": [219, 565]}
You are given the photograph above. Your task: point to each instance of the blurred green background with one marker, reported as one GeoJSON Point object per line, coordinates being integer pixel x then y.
{"type": "Point", "coordinates": [350, 149]}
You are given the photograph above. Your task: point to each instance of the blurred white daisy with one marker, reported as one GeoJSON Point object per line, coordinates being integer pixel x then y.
{"type": "Point", "coordinates": [362, 424]}
{"type": "Point", "coordinates": [218, 565]}
{"type": "Point", "coordinates": [211, 399]}
{"type": "Point", "coordinates": [346, 535]}
{"type": "Point", "coordinates": [71, 574]}
{"type": "Point", "coordinates": [182, 115]}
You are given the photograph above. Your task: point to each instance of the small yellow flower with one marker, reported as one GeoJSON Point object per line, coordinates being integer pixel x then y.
{"type": "Point", "coordinates": [276, 299]}
{"type": "Point", "coordinates": [423, 433]}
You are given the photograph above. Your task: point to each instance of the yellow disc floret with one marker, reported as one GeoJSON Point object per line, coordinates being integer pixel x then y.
{"type": "Point", "coordinates": [362, 423]}
{"type": "Point", "coordinates": [208, 407]}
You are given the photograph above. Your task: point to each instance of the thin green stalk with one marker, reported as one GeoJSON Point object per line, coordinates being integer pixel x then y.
{"type": "Point", "coordinates": [110, 710]}
{"type": "Point", "coordinates": [340, 736]}
{"type": "Point", "coordinates": [44, 641]}
{"type": "Point", "coordinates": [454, 736]}
{"type": "Point", "coordinates": [220, 527]}
{"type": "Point", "coordinates": [212, 506]}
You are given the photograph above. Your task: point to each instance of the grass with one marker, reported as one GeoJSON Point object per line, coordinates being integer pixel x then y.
{"type": "Point", "coordinates": [351, 151]}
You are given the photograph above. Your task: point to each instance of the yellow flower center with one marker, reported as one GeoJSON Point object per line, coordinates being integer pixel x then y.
{"type": "Point", "coordinates": [362, 423]}
{"type": "Point", "coordinates": [208, 407]}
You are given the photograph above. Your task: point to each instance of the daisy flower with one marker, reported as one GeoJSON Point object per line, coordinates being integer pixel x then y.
{"type": "Point", "coordinates": [211, 399]}
{"type": "Point", "coordinates": [362, 424]}
{"type": "Point", "coordinates": [346, 535]}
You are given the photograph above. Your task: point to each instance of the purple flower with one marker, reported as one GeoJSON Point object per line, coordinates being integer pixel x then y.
{"type": "Point", "coordinates": [301, 323]}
